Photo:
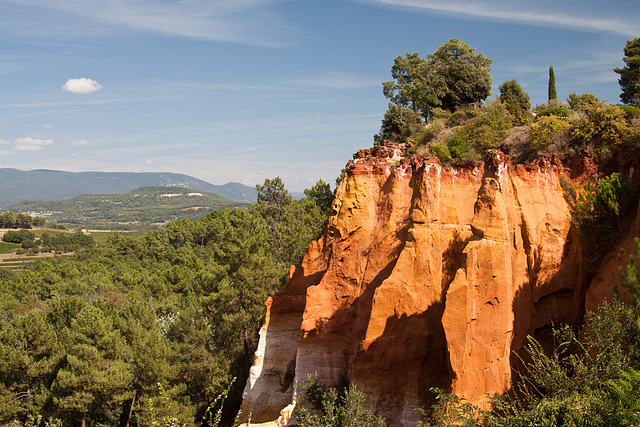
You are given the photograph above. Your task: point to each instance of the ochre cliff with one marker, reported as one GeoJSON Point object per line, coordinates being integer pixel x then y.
{"type": "Point", "coordinates": [426, 276]}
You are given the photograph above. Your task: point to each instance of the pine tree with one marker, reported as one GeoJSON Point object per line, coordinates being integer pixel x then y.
{"type": "Point", "coordinates": [630, 74]}
{"type": "Point", "coordinates": [552, 84]}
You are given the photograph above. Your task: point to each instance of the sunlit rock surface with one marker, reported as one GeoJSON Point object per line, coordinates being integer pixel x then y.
{"type": "Point", "coordinates": [426, 276]}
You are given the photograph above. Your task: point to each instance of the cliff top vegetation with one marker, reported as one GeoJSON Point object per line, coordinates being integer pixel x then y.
{"type": "Point", "coordinates": [439, 107]}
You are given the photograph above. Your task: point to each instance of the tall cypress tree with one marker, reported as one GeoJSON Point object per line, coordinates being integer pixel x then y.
{"type": "Point", "coordinates": [552, 84]}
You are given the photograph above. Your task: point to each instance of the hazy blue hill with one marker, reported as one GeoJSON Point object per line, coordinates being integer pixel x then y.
{"type": "Point", "coordinates": [17, 186]}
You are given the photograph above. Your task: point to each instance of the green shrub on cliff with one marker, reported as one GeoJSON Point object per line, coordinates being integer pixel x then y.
{"type": "Point", "coordinates": [339, 406]}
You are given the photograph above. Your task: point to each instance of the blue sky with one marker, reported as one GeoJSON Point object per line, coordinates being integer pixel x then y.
{"type": "Point", "coordinates": [243, 90]}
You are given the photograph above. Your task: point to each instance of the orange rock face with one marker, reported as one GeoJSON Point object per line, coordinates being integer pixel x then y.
{"type": "Point", "coordinates": [425, 277]}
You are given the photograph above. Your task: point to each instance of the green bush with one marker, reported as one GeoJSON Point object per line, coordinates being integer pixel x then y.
{"type": "Point", "coordinates": [577, 102]}
{"type": "Point", "coordinates": [545, 129]}
{"type": "Point", "coordinates": [630, 112]}
{"type": "Point", "coordinates": [458, 118]}
{"type": "Point", "coordinates": [603, 127]}
{"type": "Point", "coordinates": [441, 151]}
{"type": "Point", "coordinates": [557, 111]}
{"type": "Point", "coordinates": [18, 236]}
{"type": "Point", "coordinates": [457, 146]}
{"type": "Point", "coordinates": [338, 406]}
{"type": "Point", "coordinates": [487, 128]}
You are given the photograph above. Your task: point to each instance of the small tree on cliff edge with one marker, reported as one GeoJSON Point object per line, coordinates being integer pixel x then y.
{"type": "Point", "coordinates": [552, 84]}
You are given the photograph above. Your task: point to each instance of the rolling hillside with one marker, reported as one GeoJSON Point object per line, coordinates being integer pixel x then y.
{"type": "Point", "coordinates": [18, 186]}
{"type": "Point", "coordinates": [136, 209]}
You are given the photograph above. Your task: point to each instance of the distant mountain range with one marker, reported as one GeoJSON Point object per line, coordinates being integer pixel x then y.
{"type": "Point", "coordinates": [18, 186]}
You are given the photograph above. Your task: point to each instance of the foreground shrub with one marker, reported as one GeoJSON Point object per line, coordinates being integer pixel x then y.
{"type": "Point", "coordinates": [603, 127]}
{"type": "Point", "coordinates": [487, 128]}
{"type": "Point", "coordinates": [546, 130]}
{"type": "Point", "coordinates": [339, 406]}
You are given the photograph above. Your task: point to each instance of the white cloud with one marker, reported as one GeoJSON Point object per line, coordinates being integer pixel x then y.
{"type": "Point", "coordinates": [5, 153]}
{"type": "Point", "coordinates": [80, 142]}
{"type": "Point", "coordinates": [586, 15]}
{"type": "Point", "coordinates": [48, 126]}
{"type": "Point", "coordinates": [32, 144]}
{"type": "Point", "coordinates": [4, 142]}
{"type": "Point", "coordinates": [83, 85]}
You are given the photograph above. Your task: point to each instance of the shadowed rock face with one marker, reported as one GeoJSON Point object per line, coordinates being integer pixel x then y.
{"type": "Point", "coordinates": [425, 277]}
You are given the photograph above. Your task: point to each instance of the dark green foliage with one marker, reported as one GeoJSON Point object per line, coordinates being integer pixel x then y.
{"type": "Point", "coordinates": [452, 76]}
{"type": "Point", "coordinates": [273, 192]}
{"type": "Point", "coordinates": [630, 74]}
{"type": "Point", "coordinates": [457, 146]}
{"type": "Point", "coordinates": [514, 97]}
{"type": "Point", "coordinates": [399, 124]}
{"type": "Point", "coordinates": [552, 94]}
{"type": "Point", "coordinates": [21, 220]}
{"type": "Point", "coordinates": [17, 236]}
{"type": "Point", "coordinates": [338, 406]}
{"type": "Point", "coordinates": [577, 102]}
{"type": "Point", "coordinates": [149, 329]}
{"type": "Point", "coordinates": [321, 195]}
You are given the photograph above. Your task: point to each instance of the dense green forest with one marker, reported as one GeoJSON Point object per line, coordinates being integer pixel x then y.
{"type": "Point", "coordinates": [149, 330]}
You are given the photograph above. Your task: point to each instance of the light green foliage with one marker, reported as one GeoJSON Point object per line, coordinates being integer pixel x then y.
{"type": "Point", "coordinates": [547, 128]}
{"type": "Point", "coordinates": [514, 97]}
{"type": "Point", "coordinates": [603, 127]}
{"type": "Point", "coordinates": [333, 407]}
{"type": "Point", "coordinates": [441, 151]}
{"type": "Point", "coordinates": [630, 74]}
{"type": "Point", "coordinates": [458, 147]}
{"type": "Point", "coordinates": [552, 84]}
{"type": "Point", "coordinates": [452, 76]}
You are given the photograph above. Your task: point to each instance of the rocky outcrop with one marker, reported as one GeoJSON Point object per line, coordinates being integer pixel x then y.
{"type": "Point", "coordinates": [426, 276]}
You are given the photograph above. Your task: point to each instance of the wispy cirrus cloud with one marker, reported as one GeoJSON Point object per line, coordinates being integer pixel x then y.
{"type": "Point", "coordinates": [241, 21]}
{"type": "Point", "coordinates": [585, 15]}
